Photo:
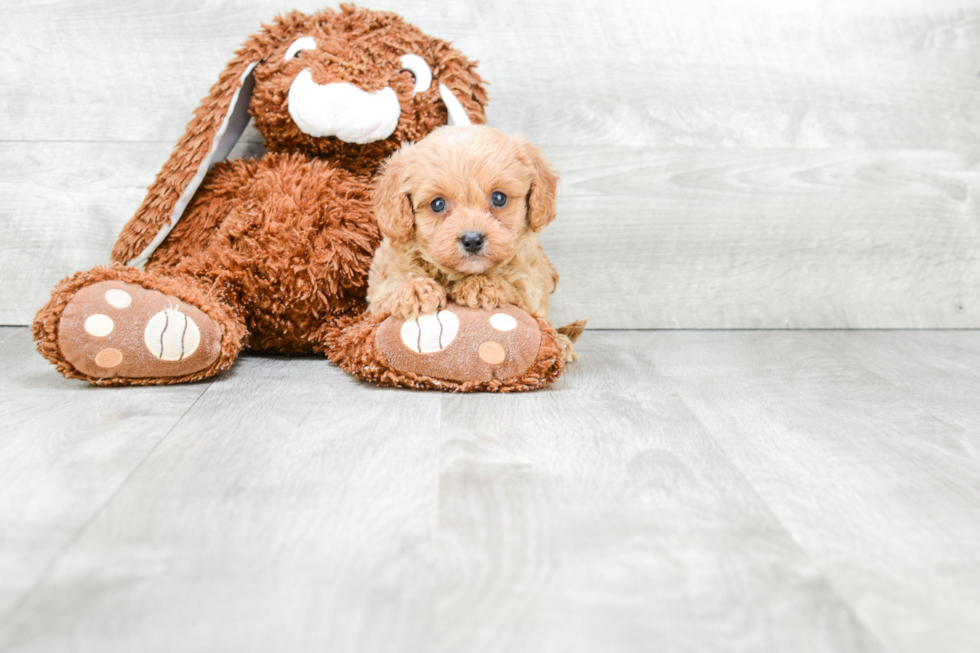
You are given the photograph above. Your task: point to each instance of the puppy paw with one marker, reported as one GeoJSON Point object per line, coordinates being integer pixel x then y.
{"type": "Point", "coordinates": [415, 297]}
{"type": "Point", "coordinates": [480, 291]}
{"type": "Point", "coordinates": [568, 349]}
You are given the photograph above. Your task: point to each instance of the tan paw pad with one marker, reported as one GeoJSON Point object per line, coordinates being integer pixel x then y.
{"type": "Point", "coordinates": [118, 298]}
{"type": "Point", "coordinates": [503, 322]}
{"type": "Point", "coordinates": [99, 325]}
{"type": "Point", "coordinates": [430, 332]}
{"type": "Point", "coordinates": [491, 352]}
{"type": "Point", "coordinates": [108, 358]}
{"type": "Point", "coordinates": [171, 336]}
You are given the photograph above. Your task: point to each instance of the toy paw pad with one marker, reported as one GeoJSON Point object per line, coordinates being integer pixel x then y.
{"type": "Point", "coordinates": [430, 332]}
{"type": "Point", "coordinates": [118, 329]}
{"type": "Point", "coordinates": [461, 344]}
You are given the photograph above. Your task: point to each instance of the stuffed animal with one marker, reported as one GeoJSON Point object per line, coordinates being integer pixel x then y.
{"type": "Point", "coordinates": [272, 253]}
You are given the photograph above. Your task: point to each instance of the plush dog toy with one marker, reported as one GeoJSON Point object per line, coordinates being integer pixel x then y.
{"type": "Point", "coordinates": [273, 253]}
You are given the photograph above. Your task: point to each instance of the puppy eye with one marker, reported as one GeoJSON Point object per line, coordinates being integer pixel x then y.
{"type": "Point", "coordinates": [498, 199]}
{"type": "Point", "coordinates": [438, 205]}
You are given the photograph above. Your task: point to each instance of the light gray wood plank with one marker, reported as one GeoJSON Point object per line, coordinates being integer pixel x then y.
{"type": "Point", "coordinates": [292, 507]}
{"type": "Point", "coordinates": [295, 509]}
{"type": "Point", "coordinates": [523, 523]}
{"type": "Point", "coordinates": [65, 450]}
{"type": "Point", "coordinates": [602, 516]}
{"type": "Point", "coordinates": [710, 73]}
{"type": "Point", "coordinates": [766, 239]}
{"type": "Point", "coordinates": [941, 368]}
{"type": "Point", "coordinates": [12, 347]}
{"type": "Point", "coordinates": [645, 238]}
{"type": "Point", "coordinates": [869, 475]}
{"type": "Point", "coordinates": [701, 73]}
{"type": "Point", "coordinates": [64, 205]}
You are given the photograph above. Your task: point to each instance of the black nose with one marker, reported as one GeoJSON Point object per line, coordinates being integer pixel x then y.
{"type": "Point", "coordinates": [472, 241]}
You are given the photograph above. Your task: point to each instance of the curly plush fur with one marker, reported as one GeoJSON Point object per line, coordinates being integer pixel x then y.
{"type": "Point", "coordinates": [275, 249]}
{"type": "Point", "coordinates": [356, 46]}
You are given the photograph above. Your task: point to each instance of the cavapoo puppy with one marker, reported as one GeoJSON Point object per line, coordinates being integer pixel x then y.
{"type": "Point", "coordinates": [460, 213]}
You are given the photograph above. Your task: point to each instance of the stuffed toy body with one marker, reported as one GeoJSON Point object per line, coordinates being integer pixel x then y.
{"type": "Point", "coordinates": [273, 253]}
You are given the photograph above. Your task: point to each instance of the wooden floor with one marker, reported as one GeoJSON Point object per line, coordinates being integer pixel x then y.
{"type": "Point", "coordinates": [675, 491]}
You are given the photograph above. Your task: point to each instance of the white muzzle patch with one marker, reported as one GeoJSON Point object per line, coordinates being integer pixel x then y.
{"type": "Point", "coordinates": [342, 110]}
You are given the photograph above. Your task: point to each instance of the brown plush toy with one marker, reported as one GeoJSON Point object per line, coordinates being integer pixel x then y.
{"type": "Point", "coordinates": [272, 253]}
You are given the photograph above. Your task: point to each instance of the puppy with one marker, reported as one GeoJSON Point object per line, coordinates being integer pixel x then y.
{"type": "Point", "coordinates": [460, 212]}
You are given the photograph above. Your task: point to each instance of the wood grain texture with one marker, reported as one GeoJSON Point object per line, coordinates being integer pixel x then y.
{"type": "Point", "coordinates": [68, 202]}
{"type": "Point", "coordinates": [602, 516]}
{"type": "Point", "coordinates": [65, 450]}
{"type": "Point", "coordinates": [12, 347]}
{"type": "Point", "coordinates": [767, 238]}
{"type": "Point", "coordinates": [945, 371]}
{"type": "Point", "coordinates": [865, 447]}
{"type": "Point", "coordinates": [293, 508]}
{"type": "Point", "coordinates": [683, 238]}
{"type": "Point", "coordinates": [747, 165]}
{"type": "Point", "coordinates": [700, 73]}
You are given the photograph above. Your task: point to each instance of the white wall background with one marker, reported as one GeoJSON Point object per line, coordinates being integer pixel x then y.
{"type": "Point", "coordinates": [726, 164]}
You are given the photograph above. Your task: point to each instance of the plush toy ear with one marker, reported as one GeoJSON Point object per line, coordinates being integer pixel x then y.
{"type": "Point", "coordinates": [544, 186]}
{"type": "Point", "coordinates": [462, 90]}
{"type": "Point", "coordinates": [217, 124]}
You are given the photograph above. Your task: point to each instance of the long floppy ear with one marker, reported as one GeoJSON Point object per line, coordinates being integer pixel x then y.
{"type": "Point", "coordinates": [392, 203]}
{"type": "Point", "coordinates": [462, 90]}
{"type": "Point", "coordinates": [544, 186]}
{"type": "Point", "coordinates": [217, 124]}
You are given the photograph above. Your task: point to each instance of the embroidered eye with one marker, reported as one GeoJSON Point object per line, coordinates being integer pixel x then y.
{"type": "Point", "coordinates": [300, 44]}
{"type": "Point", "coordinates": [498, 199]}
{"type": "Point", "coordinates": [416, 65]}
{"type": "Point", "coordinates": [438, 205]}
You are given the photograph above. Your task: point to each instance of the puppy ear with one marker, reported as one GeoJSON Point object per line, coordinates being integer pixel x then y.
{"type": "Point", "coordinates": [544, 186]}
{"type": "Point", "coordinates": [392, 204]}
{"type": "Point", "coordinates": [217, 124]}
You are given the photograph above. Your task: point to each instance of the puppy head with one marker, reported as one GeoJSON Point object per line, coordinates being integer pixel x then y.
{"type": "Point", "coordinates": [467, 195]}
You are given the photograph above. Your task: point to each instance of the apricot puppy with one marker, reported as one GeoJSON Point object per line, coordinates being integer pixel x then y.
{"type": "Point", "coordinates": [460, 212]}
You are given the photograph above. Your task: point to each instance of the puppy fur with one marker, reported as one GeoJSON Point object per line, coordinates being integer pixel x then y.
{"type": "Point", "coordinates": [473, 181]}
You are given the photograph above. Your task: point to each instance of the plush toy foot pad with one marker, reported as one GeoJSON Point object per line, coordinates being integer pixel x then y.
{"type": "Point", "coordinates": [461, 344]}
{"type": "Point", "coordinates": [117, 329]}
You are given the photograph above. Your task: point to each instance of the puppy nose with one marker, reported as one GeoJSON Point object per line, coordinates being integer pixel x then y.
{"type": "Point", "coordinates": [472, 241]}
